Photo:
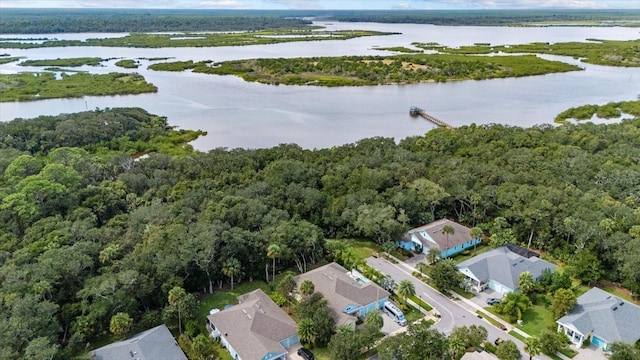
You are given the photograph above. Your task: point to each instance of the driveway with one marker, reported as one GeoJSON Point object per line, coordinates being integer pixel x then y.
{"type": "Point", "coordinates": [481, 298]}
{"type": "Point", "coordinates": [454, 313]}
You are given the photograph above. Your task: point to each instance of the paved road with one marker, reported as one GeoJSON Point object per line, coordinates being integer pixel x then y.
{"type": "Point", "coordinates": [453, 314]}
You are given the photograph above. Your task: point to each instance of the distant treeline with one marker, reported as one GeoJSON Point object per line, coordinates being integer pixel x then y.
{"type": "Point", "coordinates": [51, 21]}
{"type": "Point", "coordinates": [494, 17]}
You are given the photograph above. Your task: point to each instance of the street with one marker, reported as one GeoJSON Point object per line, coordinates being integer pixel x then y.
{"type": "Point", "coordinates": [452, 313]}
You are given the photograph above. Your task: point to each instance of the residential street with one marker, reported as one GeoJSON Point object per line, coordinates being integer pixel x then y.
{"type": "Point", "coordinates": [453, 312]}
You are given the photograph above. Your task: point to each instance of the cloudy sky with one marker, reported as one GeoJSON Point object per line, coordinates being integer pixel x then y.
{"type": "Point", "coordinates": [325, 4]}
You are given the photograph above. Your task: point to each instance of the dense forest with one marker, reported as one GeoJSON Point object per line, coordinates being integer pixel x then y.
{"type": "Point", "coordinates": [374, 70]}
{"type": "Point", "coordinates": [495, 17]}
{"type": "Point", "coordinates": [88, 231]}
{"type": "Point", "coordinates": [50, 21]}
{"type": "Point", "coordinates": [53, 21]}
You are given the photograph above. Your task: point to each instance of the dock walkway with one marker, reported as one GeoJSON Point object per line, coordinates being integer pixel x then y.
{"type": "Point", "coordinates": [416, 111]}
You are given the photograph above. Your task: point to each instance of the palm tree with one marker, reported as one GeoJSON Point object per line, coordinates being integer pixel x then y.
{"type": "Point", "coordinates": [526, 282]}
{"type": "Point", "coordinates": [231, 268]}
{"type": "Point", "coordinates": [422, 267]}
{"type": "Point", "coordinates": [177, 297]}
{"type": "Point", "coordinates": [306, 331]}
{"type": "Point", "coordinates": [406, 289]}
{"type": "Point", "coordinates": [387, 247]}
{"type": "Point", "coordinates": [476, 233]}
{"type": "Point", "coordinates": [307, 287]}
{"type": "Point", "coordinates": [457, 346]}
{"type": "Point", "coordinates": [533, 346]}
{"type": "Point", "coordinates": [433, 256]}
{"type": "Point", "coordinates": [448, 230]}
{"type": "Point", "coordinates": [514, 305]}
{"type": "Point", "coordinates": [374, 318]}
{"type": "Point", "coordinates": [273, 252]}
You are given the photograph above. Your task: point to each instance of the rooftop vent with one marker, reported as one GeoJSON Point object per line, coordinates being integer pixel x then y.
{"type": "Point", "coordinates": [621, 303]}
{"type": "Point", "coordinates": [615, 308]}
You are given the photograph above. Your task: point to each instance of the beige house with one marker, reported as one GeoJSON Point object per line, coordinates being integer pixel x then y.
{"type": "Point", "coordinates": [255, 329]}
{"type": "Point", "coordinates": [348, 293]}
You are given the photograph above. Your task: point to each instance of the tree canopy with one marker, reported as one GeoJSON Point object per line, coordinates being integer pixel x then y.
{"type": "Point", "coordinates": [89, 230]}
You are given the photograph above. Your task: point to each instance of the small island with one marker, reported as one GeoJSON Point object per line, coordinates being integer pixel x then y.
{"type": "Point", "coordinates": [374, 70]}
{"type": "Point", "coordinates": [37, 86]}
{"type": "Point", "coordinates": [594, 51]}
{"type": "Point", "coordinates": [189, 39]}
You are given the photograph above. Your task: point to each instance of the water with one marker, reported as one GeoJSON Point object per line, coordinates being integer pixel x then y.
{"type": "Point", "coordinates": [250, 115]}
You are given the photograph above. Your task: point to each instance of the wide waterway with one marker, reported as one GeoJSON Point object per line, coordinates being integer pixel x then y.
{"type": "Point", "coordinates": [250, 115]}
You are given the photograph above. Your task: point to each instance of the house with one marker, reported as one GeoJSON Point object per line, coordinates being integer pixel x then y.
{"type": "Point", "coordinates": [348, 293]}
{"type": "Point", "coordinates": [478, 356]}
{"type": "Point", "coordinates": [500, 268]}
{"type": "Point", "coordinates": [255, 329]}
{"type": "Point", "coordinates": [431, 236]}
{"type": "Point", "coordinates": [603, 318]}
{"type": "Point", "coordinates": [152, 344]}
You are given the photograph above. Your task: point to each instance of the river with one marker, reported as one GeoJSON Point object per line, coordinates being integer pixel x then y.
{"type": "Point", "coordinates": [250, 115]}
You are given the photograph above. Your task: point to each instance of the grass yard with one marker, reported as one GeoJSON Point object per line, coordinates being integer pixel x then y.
{"type": "Point", "coordinates": [536, 319]}
{"type": "Point", "coordinates": [360, 248]}
{"type": "Point", "coordinates": [469, 253]}
{"type": "Point", "coordinates": [517, 335]}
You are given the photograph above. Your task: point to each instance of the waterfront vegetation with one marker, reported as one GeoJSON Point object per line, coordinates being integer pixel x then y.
{"type": "Point", "coordinates": [607, 111]}
{"type": "Point", "coordinates": [87, 231]}
{"type": "Point", "coordinates": [374, 70]}
{"type": "Point", "coordinates": [6, 60]}
{"type": "Point", "coordinates": [35, 86]}
{"type": "Point", "coordinates": [189, 39]}
{"type": "Point", "coordinates": [71, 62]}
{"type": "Point", "coordinates": [128, 64]}
{"type": "Point", "coordinates": [400, 49]}
{"type": "Point", "coordinates": [593, 51]}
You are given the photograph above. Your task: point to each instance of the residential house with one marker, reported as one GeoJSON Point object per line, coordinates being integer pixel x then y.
{"type": "Point", "coordinates": [348, 293]}
{"type": "Point", "coordinates": [254, 329]}
{"type": "Point", "coordinates": [431, 236]}
{"type": "Point", "coordinates": [153, 344]}
{"type": "Point", "coordinates": [499, 269]}
{"type": "Point", "coordinates": [475, 355]}
{"type": "Point", "coordinates": [603, 318]}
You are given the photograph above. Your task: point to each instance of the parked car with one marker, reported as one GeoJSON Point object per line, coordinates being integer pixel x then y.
{"type": "Point", "coordinates": [493, 301]}
{"type": "Point", "coordinates": [306, 354]}
{"type": "Point", "coordinates": [498, 341]}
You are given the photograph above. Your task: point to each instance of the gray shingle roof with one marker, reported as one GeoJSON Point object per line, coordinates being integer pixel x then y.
{"type": "Point", "coordinates": [153, 344]}
{"type": "Point", "coordinates": [461, 235]}
{"type": "Point", "coordinates": [255, 326]}
{"type": "Point", "coordinates": [606, 316]}
{"type": "Point", "coordinates": [340, 290]}
{"type": "Point", "coordinates": [503, 266]}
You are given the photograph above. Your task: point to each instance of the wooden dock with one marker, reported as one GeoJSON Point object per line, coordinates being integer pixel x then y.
{"type": "Point", "coordinates": [416, 111]}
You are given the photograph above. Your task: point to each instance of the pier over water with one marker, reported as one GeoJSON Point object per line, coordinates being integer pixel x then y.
{"type": "Point", "coordinates": [416, 111]}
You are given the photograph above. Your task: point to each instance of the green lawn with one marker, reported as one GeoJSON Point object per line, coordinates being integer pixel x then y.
{"type": "Point", "coordinates": [517, 335]}
{"type": "Point", "coordinates": [536, 319]}
{"type": "Point", "coordinates": [360, 248]}
{"type": "Point", "coordinates": [469, 253]}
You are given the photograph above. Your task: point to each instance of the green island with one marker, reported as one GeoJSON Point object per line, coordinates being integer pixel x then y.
{"type": "Point", "coordinates": [36, 86]}
{"type": "Point", "coordinates": [128, 64]}
{"type": "Point", "coordinates": [72, 62]}
{"type": "Point", "coordinates": [607, 111]}
{"type": "Point", "coordinates": [400, 49]}
{"type": "Point", "coordinates": [594, 51]}
{"type": "Point", "coordinates": [93, 232]}
{"type": "Point", "coordinates": [6, 60]}
{"type": "Point", "coordinates": [142, 40]}
{"type": "Point", "coordinates": [374, 70]}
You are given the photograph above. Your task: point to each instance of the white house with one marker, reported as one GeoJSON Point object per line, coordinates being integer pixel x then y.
{"type": "Point", "coordinates": [500, 268]}
{"type": "Point", "coordinates": [603, 318]}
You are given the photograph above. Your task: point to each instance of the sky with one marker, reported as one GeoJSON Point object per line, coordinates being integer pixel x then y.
{"type": "Point", "coordinates": [327, 4]}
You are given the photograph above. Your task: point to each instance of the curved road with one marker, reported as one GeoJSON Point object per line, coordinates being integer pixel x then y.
{"type": "Point", "coordinates": [452, 313]}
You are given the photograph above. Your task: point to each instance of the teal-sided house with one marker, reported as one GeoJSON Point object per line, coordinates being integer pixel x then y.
{"type": "Point", "coordinates": [349, 293]}
{"type": "Point", "coordinates": [431, 236]}
{"type": "Point", "coordinates": [603, 319]}
{"type": "Point", "coordinates": [255, 329]}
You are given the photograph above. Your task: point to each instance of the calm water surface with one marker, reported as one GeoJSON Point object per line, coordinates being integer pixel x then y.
{"type": "Point", "coordinates": [240, 114]}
